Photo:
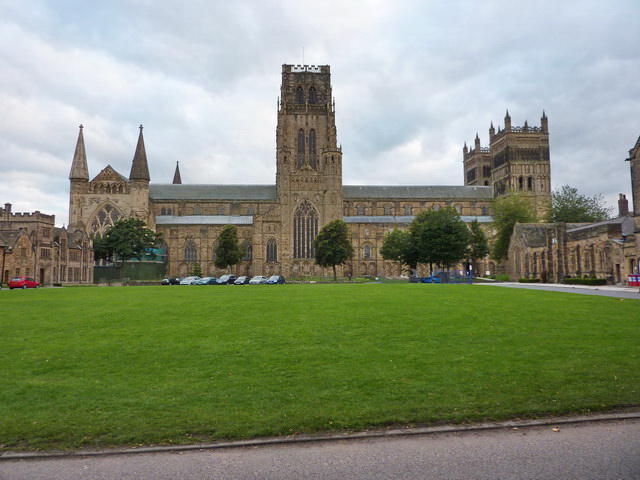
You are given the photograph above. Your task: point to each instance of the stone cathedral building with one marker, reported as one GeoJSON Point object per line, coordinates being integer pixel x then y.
{"type": "Point", "coordinates": [277, 223]}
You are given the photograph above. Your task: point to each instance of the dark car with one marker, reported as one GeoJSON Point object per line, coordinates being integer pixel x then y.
{"type": "Point", "coordinates": [243, 280]}
{"type": "Point", "coordinates": [170, 281]}
{"type": "Point", "coordinates": [23, 282]}
{"type": "Point", "coordinates": [276, 280]}
{"type": "Point", "coordinates": [207, 281]}
{"type": "Point", "coordinates": [226, 280]}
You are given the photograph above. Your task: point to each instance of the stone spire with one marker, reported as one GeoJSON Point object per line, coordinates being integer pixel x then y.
{"type": "Point", "coordinates": [177, 180]}
{"type": "Point", "coordinates": [79, 170]}
{"type": "Point", "coordinates": [139, 167]}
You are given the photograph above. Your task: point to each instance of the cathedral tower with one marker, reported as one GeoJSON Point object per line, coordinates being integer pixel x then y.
{"type": "Point", "coordinates": [309, 160]}
{"type": "Point", "coordinates": [79, 179]}
{"type": "Point", "coordinates": [520, 161]}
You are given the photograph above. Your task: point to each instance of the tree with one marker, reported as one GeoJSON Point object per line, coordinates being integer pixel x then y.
{"type": "Point", "coordinates": [196, 270]}
{"type": "Point", "coordinates": [126, 239]}
{"type": "Point", "coordinates": [398, 247]}
{"type": "Point", "coordinates": [478, 245]}
{"type": "Point", "coordinates": [440, 237]}
{"type": "Point", "coordinates": [229, 251]}
{"type": "Point", "coordinates": [567, 205]}
{"type": "Point", "coordinates": [507, 211]}
{"type": "Point", "coordinates": [332, 245]}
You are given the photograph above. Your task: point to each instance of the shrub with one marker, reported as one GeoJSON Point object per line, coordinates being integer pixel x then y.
{"type": "Point", "coordinates": [502, 278]}
{"type": "Point", "coordinates": [529, 280]}
{"type": "Point", "coordinates": [585, 281]}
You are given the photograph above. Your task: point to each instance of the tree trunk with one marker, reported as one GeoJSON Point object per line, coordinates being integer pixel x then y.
{"type": "Point", "coordinates": [335, 276]}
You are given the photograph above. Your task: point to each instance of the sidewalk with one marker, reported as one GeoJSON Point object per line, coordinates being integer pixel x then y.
{"type": "Point", "coordinates": [603, 290]}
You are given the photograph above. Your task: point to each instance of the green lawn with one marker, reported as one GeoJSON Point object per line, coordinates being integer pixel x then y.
{"type": "Point", "coordinates": [82, 367]}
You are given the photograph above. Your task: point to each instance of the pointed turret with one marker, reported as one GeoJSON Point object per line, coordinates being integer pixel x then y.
{"type": "Point", "coordinates": [140, 167]}
{"type": "Point", "coordinates": [177, 180]}
{"type": "Point", "coordinates": [465, 149]}
{"type": "Point", "coordinates": [477, 142]}
{"type": "Point", "coordinates": [544, 122]}
{"type": "Point", "coordinates": [492, 131]}
{"type": "Point", "coordinates": [79, 170]}
{"type": "Point", "coordinates": [507, 121]}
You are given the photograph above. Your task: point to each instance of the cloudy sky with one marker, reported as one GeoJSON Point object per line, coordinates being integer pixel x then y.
{"type": "Point", "coordinates": [413, 80]}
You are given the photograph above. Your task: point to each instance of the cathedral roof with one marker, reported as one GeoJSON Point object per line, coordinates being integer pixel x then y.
{"type": "Point", "coordinates": [416, 192]}
{"type": "Point", "coordinates": [204, 220]}
{"type": "Point", "coordinates": [212, 192]}
{"type": "Point", "coordinates": [406, 219]}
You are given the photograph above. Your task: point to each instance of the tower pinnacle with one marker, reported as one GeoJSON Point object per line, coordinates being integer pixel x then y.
{"type": "Point", "coordinates": [139, 166]}
{"type": "Point", "coordinates": [79, 170]}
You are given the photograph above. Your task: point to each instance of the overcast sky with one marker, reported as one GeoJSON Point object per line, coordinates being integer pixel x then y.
{"type": "Point", "coordinates": [413, 80]}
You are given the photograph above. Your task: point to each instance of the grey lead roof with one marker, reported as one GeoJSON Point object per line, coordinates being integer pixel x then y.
{"type": "Point", "coordinates": [170, 191]}
{"type": "Point", "coordinates": [204, 220]}
{"type": "Point", "coordinates": [407, 219]}
{"type": "Point", "coordinates": [416, 192]}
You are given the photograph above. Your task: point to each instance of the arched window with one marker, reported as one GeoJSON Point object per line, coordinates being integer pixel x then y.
{"type": "Point", "coordinates": [312, 149]}
{"type": "Point", "coordinates": [436, 207]}
{"type": "Point", "coordinates": [190, 251]}
{"type": "Point", "coordinates": [530, 184]}
{"type": "Point", "coordinates": [313, 95]}
{"type": "Point", "coordinates": [408, 210]}
{"type": "Point", "coordinates": [104, 219]}
{"type": "Point", "coordinates": [163, 211]}
{"type": "Point", "coordinates": [248, 250]}
{"type": "Point", "coordinates": [483, 210]}
{"type": "Point", "coordinates": [305, 229]}
{"type": "Point", "coordinates": [220, 210]}
{"type": "Point", "coordinates": [272, 250]}
{"type": "Point", "coordinates": [520, 183]}
{"type": "Point", "coordinates": [169, 211]}
{"type": "Point", "coordinates": [196, 210]}
{"type": "Point", "coordinates": [300, 148]}
{"type": "Point", "coordinates": [459, 209]}
{"type": "Point", "coordinates": [299, 95]}
{"type": "Point", "coordinates": [388, 210]}
{"type": "Point", "coordinates": [361, 209]}
{"type": "Point", "coordinates": [250, 211]}
{"type": "Point", "coordinates": [366, 252]}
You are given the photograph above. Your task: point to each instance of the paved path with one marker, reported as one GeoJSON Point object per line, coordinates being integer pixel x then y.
{"type": "Point", "coordinates": [603, 290]}
{"type": "Point", "coordinates": [597, 450]}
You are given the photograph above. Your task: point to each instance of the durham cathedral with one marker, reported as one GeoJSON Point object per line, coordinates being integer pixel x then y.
{"type": "Point", "coordinates": [277, 223]}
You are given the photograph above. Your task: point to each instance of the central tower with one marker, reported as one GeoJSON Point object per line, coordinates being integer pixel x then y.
{"type": "Point", "coordinates": [309, 161]}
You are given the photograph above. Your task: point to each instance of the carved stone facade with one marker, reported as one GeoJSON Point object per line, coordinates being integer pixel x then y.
{"type": "Point", "coordinates": [32, 246]}
{"type": "Point", "coordinates": [277, 223]}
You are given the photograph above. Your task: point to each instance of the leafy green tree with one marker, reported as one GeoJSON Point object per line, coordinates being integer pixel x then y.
{"type": "Point", "coordinates": [478, 245]}
{"type": "Point", "coordinates": [440, 237]}
{"type": "Point", "coordinates": [398, 246]}
{"type": "Point", "coordinates": [229, 251]}
{"type": "Point", "coordinates": [126, 239]}
{"type": "Point", "coordinates": [332, 245]}
{"type": "Point", "coordinates": [507, 211]}
{"type": "Point", "coordinates": [567, 205]}
{"type": "Point", "coordinates": [196, 270]}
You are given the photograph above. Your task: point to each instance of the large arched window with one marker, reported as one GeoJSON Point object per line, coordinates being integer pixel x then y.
{"type": "Point", "coordinates": [305, 229]}
{"type": "Point", "coordinates": [313, 161]}
{"type": "Point", "coordinates": [313, 95]}
{"type": "Point", "coordinates": [104, 219]}
{"type": "Point", "coordinates": [366, 252]}
{"type": "Point", "coordinates": [299, 95]}
{"type": "Point", "coordinates": [300, 148]}
{"type": "Point", "coordinates": [190, 251]}
{"type": "Point", "coordinates": [272, 250]}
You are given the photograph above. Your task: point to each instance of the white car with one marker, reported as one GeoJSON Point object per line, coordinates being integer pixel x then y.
{"type": "Point", "coordinates": [189, 280]}
{"type": "Point", "coordinates": [258, 280]}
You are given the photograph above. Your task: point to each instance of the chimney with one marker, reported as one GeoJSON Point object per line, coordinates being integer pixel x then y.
{"type": "Point", "coordinates": [623, 206]}
{"type": "Point", "coordinates": [7, 210]}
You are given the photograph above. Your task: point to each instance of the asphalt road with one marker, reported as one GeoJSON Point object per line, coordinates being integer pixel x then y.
{"type": "Point", "coordinates": [597, 450]}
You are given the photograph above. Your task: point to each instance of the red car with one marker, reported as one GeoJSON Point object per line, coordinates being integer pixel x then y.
{"type": "Point", "coordinates": [23, 282]}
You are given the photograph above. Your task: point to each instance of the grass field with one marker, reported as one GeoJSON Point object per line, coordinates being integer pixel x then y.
{"type": "Point", "coordinates": [84, 367]}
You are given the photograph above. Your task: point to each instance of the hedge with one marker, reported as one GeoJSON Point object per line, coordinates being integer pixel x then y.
{"type": "Point", "coordinates": [585, 281]}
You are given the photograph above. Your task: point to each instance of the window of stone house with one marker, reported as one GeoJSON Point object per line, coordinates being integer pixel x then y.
{"type": "Point", "coordinates": [313, 95]}
{"type": "Point", "coordinates": [387, 210]}
{"type": "Point", "coordinates": [300, 148]}
{"type": "Point", "coordinates": [220, 210]}
{"type": "Point", "coordinates": [361, 209]}
{"type": "Point", "coordinates": [299, 95]}
{"type": "Point", "coordinates": [366, 254]}
{"type": "Point", "coordinates": [530, 183]}
{"type": "Point", "coordinates": [248, 250]}
{"type": "Point", "coordinates": [250, 211]}
{"type": "Point", "coordinates": [196, 210]}
{"type": "Point", "coordinates": [459, 209]}
{"type": "Point", "coordinates": [272, 250]}
{"type": "Point", "coordinates": [313, 159]}
{"type": "Point", "coordinates": [190, 251]}
{"type": "Point", "coordinates": [483, 210]}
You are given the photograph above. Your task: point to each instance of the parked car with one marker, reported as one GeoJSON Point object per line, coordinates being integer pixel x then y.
{"type": "Point", "coordinates": [170, 281]}
{"type": "Point", "coordinates": [243, 280]}
{"type": "Point", "coordinates": [23, 282]}
{"type": "Point", "coordinates": [226, 279]}
{"type": "Point", "coordinates": [189, 280]}
{"type": "Point", "coordinates": [276, 279]}
{"type": "Point", "coordinates": [207, 281]}
{"type": "Point", "coordinates": [258, 280]}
